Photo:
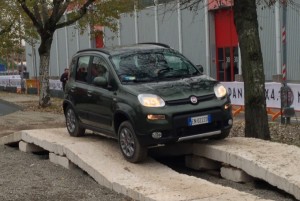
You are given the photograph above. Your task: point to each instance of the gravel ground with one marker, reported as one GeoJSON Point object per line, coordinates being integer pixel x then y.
{"type": "Point", "coordinates": [29, 177]}
{"type": "Point", "coordinates": [26, 176]}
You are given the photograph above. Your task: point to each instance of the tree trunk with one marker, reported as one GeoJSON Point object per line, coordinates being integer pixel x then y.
{"type": "Point", "coordinates": [44, 53]}
{"type": "Point", "coordinates": [256, 118]}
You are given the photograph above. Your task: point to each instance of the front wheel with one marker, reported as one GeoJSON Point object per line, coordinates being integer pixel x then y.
{"type": "Point", "coordinates": [129, 144]}
{"type": "Point", "coordinates": [72, 123]}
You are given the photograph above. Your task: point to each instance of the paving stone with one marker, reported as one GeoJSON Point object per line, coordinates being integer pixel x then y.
{"type": "Point", "coordinates": [235, 174]}
{"type": "Point", "coordinates": [61, 160]}
{"type": "Point", "coordinates": [28, 147]}
{"type": "Point", "coordinates": [201, 163]}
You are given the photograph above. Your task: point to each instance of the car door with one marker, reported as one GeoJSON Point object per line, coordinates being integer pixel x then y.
{"type": "Point", "coordinates": [79, 86]}
{"type": "Point", "coordinates": [100, 111]}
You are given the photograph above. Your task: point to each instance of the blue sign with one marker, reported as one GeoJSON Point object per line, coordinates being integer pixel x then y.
{"type": "Point", "coordinates": [2, 67]}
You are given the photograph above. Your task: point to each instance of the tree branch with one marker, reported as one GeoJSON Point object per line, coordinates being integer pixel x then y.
{"type": "Point", "coordinates": [37, 24]}
{"type": "Point", "coordinates": [6, 29]}
{"type": "Point", "coordinates": [56, 8]}
{"type": "Point", "coordinates": [59, 10]}
{"type": "Point", "coordinates": [44, 12]}
{"type": "Point", "coordinates": [37, 14]}
{"type": "Point", "coordinates": [82, 11]}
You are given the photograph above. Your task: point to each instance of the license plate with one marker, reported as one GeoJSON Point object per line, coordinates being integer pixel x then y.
{"type": "Point", "coordinates": [192, 121]}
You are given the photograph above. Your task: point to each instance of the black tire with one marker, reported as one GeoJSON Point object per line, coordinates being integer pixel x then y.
{"type": "Point", "coordinates": [72, 123]}
{"type": "Point", "coordinates": [129, 144]}
{"type": "Point", "coordinates": [222, 136]}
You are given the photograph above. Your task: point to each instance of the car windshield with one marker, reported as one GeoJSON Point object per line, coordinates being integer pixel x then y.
{"type": "Point", "coordinates": [155, 65]}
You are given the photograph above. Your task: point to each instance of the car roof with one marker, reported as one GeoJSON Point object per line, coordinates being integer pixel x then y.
{"type": "Point", "coordinates": [127, 48]}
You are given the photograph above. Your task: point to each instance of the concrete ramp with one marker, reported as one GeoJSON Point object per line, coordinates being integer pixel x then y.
{"type": "Point", "coordinates": [276, 163]}
{"type": "Point", "coordinates": [100, 158]}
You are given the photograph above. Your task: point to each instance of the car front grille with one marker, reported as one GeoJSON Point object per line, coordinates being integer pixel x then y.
{"type": "Point", "coordinates": [188, 101]}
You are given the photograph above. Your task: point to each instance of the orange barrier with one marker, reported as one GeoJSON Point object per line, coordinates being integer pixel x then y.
{"type": "Point", "coordinates": [32, 84]}
{"type": "Point", "coordinates": [237, 109]}
{"type": "Point", "coordinates": [274, 112]}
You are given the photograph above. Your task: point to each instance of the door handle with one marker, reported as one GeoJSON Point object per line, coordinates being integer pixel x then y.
{"type": "Point", "coordinates": [89, 93]}
{"type": "Point", "coordinates": [72, 89]}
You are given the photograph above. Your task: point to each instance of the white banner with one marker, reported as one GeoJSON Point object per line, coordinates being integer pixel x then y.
{"type": "Point", "coordinates": [10, 82]}
{"type": "Point", "coordinates": [4, 82]}
{"type": "Point", "coordinates": [296, 92]}
{"type": "Point", "coordinates": [16, 82]}
{"type": "Point", "coordinates": [9, 76]}
{"type": "Point", "coordinates": [55, 85]}
{"type": "Point", "coordinates": [272, 89]}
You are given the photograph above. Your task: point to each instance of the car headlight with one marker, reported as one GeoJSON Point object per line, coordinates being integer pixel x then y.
{"type": "Point", "coordinates": [220, 90]}
{"type": "Point", "coordinates": [151, 100]}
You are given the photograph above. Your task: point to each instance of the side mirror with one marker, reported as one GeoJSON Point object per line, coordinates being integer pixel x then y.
{"type": "Point", "coordinates": [100, 81]}
{"type": "Point", "coordinates": [200, 68]}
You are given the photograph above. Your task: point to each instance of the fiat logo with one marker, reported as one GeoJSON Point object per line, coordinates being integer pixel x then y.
{"type": "Point", "coordinates": [194, 99]}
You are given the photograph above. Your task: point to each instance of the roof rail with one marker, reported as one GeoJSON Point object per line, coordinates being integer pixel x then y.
{"type": "Point", "coordinates": [159, 44]}
{"type": "Point", "coordinates": [94, 49]}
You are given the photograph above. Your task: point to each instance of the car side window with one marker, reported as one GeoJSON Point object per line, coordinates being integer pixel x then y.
{"type": "Point", "coordinates": [98, 68]}
{"type": "Point", "coordinates": [82, 67]}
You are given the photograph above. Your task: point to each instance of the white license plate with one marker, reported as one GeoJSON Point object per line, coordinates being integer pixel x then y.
{"type": "Point", "coordinates": [192, 121]}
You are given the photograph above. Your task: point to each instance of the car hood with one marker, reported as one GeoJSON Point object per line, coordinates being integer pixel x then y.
{"type": "Point", "coordinates": [176, 89]}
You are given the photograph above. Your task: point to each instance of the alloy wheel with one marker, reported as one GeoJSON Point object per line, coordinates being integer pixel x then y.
{"type": "Point", "coordinates": [71, 120]}
{"type": "Point", "coordinates": [127, 142]}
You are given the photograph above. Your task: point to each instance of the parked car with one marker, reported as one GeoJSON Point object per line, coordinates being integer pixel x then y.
{"type": "Point", "coordinates": [144, 95]}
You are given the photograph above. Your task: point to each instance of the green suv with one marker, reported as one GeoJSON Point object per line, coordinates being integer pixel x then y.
{"type": "Point", "coordinates": [144, 95]}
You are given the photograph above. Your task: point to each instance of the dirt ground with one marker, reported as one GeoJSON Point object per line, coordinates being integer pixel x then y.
{"type": "Point", "coordinates": [31, 116]}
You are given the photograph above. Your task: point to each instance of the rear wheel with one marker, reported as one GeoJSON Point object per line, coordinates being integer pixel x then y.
{"type": "Point", "coordinates": [129, 145]}
{"type": "Point", "coordinates": [72, 123]}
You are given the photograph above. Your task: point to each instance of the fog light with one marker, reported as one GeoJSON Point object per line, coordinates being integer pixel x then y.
{"type": "Point", "coordinates": [227, 106]}
{"type": "Point", "coordinates": [230, 122]}
{"type": "Point", "coordinates": [157, 135]}
{"type": "Point", "coordinates": [156, 116]}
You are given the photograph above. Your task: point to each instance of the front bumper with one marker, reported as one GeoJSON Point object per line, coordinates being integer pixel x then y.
{"type": "Point", "coordinates": [177, 128]}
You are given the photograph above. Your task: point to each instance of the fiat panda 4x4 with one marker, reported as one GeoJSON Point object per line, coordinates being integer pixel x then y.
{"type": "Point", "coordinates": [144, 95]}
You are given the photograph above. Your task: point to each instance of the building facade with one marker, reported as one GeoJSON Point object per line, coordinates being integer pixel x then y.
{"type": "Point", "coordinates": [207, 36]}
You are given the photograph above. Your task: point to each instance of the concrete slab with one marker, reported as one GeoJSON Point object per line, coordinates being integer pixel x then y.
{"type": "Point", "coordinates": [276, 163]}
{"type": "Point", "coordinates": [101, 159]}
{"type": "Point", "coordinates": [11, 139]}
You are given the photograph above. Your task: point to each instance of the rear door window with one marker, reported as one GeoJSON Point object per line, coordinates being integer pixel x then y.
{"type": "Point", "coordinates": [82, 67]}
